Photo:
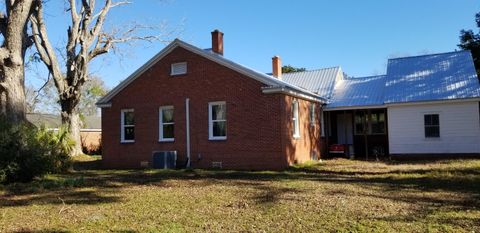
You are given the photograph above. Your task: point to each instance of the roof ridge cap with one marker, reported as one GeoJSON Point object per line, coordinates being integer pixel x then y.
{"type": "Point", "coordinates": [431, 54]}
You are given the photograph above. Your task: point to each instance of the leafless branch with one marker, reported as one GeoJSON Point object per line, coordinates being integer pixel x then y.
{"type": "Point", "coordinates": [44, 47]}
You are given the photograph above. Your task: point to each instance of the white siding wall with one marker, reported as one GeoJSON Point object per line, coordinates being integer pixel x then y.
{"type": "Point", "coordinates": [459, 128]}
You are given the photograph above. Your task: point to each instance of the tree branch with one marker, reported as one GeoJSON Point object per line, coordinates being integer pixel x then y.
{"type": "Point", "coordinates": [44, 47]}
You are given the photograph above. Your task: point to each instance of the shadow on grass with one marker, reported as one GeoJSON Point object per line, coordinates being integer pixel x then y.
{"type": "Point", "coordinates": [464, 180]}
{"type": "Point", "coordinates": [65, 231]}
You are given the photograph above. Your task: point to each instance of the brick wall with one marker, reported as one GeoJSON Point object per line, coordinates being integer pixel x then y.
{"type": "Point", "coordinates": [256, 136]}
{"type": "Point", "coordinates": [309, 144]}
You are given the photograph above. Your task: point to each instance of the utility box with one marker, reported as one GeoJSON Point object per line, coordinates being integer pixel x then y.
{"type": "Point", "coordinates": [164, 159]}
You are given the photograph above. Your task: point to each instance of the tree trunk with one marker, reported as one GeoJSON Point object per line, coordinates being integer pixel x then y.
{"type": "Point", "coordinates": [71, 120]}
{"type": "Point", "coordinates": [12, 94]}
{"type": "Point", "coordinates": [13, 27]}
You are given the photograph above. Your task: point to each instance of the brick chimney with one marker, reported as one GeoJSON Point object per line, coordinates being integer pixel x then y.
{"type": "Point", "coordinates": [217, 42]}
{"type": "Point", "coordinates": [277, 67]}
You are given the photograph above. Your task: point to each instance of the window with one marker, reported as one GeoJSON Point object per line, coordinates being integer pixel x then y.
{"type": "Point", "coordinates": [432, 125]}
{"type": "Point", "coordinates": [370, 122]}
{"type": "Point", "coordinates": [377, 122]}
{"type": "Point", "coordinates": [312, 114]}
{"type": "Point", "coordinates": [295, 120]}
{"type": "Point", "coordinates": [128, 125]}
{"type": "Point", "coordinates": [179, 68]}
{"type": "Point", "coordinates": [217, 120]}
{"type": "Point", "coordinates": [167, 124]}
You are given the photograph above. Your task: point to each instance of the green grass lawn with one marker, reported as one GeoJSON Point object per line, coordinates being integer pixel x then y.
{"type": "Point", "coordinates": [335, 195]}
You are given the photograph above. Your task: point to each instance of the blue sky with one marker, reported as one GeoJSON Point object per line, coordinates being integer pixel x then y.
{"type": "Point", "coordinates": [357, 35]}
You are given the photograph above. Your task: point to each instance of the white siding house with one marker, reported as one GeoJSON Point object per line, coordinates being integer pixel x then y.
{"type": "Point", "coordinates": [459, 124]}
{"type": "Point", "coordinates": [432, 104]}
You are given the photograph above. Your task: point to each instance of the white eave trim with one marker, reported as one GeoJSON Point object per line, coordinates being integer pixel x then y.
{"type": "Point", "coordinates": [329, 109]}
{"type": "Point", "coordinates": [106, 105]}
{"type": "Point", "coordinates": [476, 99]}
{"type": "Point", "coordinates": [289, 91]}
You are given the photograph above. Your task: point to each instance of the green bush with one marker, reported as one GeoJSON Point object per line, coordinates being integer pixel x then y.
{"type": "Point", "coordinates": [27, 152]}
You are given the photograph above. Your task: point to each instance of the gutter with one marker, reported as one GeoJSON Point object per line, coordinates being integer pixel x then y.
{"type": "Point", "coordinates": [103, 105]}
{"type": "Point", "coordinates": [292, 92]}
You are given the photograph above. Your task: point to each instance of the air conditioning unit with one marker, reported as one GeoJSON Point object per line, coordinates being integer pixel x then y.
{"type": "Point", "coordinates": [164, 159]}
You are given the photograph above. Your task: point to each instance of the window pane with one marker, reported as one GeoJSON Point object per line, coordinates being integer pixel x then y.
{"type": "Point", "coordinates": [432, 131]}
{"type": "Point", "coordinates": [219, 129]}
{"type": "Point", "coordinates": [129, 133]}
{"type": "Point", "coordinates": [374, 118]}
{"type": "Point", "coordinates": [312, 113]}
{"type": "Point", "coordinates": [129, 118]}
{"type": "Point", "coordinates": [359, 123]}
{"type": "Point", "coordinates": [427, 119]}
{"type": "Point", "coordinates": [382, 117]}
{"type": "Point", "coordinates": [295, 120]}
{"type": "Point", "coordinates": [435, 120]}
{"type": "Point", "coordinates": [377, 120]}
{"type": "Point", "coordinates": [167, 115]}
{"type": "Point", "coordinates": [219, 112]}
{"type": "Point", "coordinates": [432, 119]}
{"type": "Point", "coordinates": [378, 128]}
{"type": "Point", "coordinates": [168, 131]}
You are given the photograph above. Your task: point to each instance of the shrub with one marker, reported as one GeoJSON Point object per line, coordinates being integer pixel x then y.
{"type": "Point", "coordinates": [92, 150]}
{"type": "Point", "coordinates": [27, 152]}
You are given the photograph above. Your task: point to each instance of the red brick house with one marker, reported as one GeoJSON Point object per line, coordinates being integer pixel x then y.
{"type": "Point", "coordinates": [211, 111]}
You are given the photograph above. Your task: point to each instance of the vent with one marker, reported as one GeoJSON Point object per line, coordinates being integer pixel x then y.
{"type": "Point", "coordinates": [217, 165]}
{"type": "Point", "coordinates": [144, 164]}
{"type": "Point", "coordinates": [179, 68]}
{"type": "Point", "coordinates": [164, 159]}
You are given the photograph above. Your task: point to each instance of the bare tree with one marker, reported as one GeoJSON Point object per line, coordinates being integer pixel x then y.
{"type": "Point", "coordinates": [13, 27]}
{"type": "Point", "coordinates": [32, 100]}
{"type": "Point", "coordinates": [86, 39]}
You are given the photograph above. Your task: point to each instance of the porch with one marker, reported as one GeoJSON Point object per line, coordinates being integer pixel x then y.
{"type": "Point", "coordinates": [362, 132]}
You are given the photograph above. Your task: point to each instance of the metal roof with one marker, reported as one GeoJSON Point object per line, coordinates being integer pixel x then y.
{"type": "Point", "coordinates": [321, 81]}
{"type": "Point", "coordinates": [365, 91]}
{"type": "Point", "coordinates": [268, 80]}
{"type": "Point", "coordinates": [432, 77]}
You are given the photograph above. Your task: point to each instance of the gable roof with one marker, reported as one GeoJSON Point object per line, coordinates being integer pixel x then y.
{"type": "Point", "coordinates": [365, 91]}
{"type": "Point", "coordinates": [432, 77]}
{"type": "Point", "coordinates": [55, 121]}
{"type": "Point", "coordinates": [268, 80]}
{"type": "Point", "coordinates": [321, 81]}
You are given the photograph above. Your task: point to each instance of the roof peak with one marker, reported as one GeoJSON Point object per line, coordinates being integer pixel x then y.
{"type": "Point", "coordinates": [432, 54]}
{"type": "Point", "coordinates": [318, 69]}
{"type": "Point", "coordinates": [363, 77]}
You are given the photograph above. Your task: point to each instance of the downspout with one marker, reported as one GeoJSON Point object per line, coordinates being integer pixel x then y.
{"type": "Point", "coordinates": [187, 120]}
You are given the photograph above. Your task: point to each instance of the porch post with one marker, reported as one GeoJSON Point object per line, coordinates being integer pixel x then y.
{"type": "Point", "coordinates": [365, 133]}
{"type": "Point", "coordinates": [345, 131]}
{"type": "Point", "coordinates": [326, 130]}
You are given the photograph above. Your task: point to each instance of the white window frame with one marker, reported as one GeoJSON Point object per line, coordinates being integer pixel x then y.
{"type": "Point", "coordinates": [161, 124]}
{"type": "Point", "coordinates": [172, 70]}
{"type": "Point", "coordinates": [295, 119]}
{"type": "Point", "coordinates": [210, 121]}
{"type": "Point", "coordinates": [439, 126]}
{"type": "Point", "coordinates": [122, 125]}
